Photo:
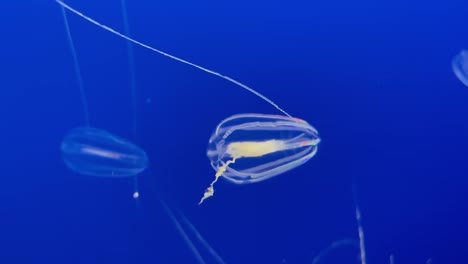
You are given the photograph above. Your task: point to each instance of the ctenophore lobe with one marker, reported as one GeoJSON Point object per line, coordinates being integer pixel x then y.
{"type": "Point", "coordinates": [96, 152]}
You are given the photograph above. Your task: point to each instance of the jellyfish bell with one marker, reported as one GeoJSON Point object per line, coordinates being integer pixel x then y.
{"type": "Point", "coordinates": [249, 148]}
{"type": "Point", "coordinates": [250, 137]}
{"type": "Point", "coordinates": [96, 152]}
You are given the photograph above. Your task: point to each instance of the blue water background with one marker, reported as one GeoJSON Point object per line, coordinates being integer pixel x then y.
{"type": "Point", "coordinates": [373, 77]}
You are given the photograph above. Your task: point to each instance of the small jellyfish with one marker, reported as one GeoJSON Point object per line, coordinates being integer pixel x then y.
{"type": "Point", "coordinates": [460, 66]}
{"type": "Point", "coordinates": [96, 152]}
{"type": "Point", "coordinates": [248, 148]}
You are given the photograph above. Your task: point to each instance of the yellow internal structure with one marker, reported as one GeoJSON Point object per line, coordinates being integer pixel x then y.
{"type": "Point", "coordinates": [244, 149]}
{"type": "Point", "coordinates": [252, 149]}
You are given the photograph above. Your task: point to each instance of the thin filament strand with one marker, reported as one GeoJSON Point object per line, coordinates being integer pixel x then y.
{"type": "Point", "coordinates": [174, 57]}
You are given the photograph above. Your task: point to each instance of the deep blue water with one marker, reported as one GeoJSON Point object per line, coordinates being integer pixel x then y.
{"type": "Point", "coordinates": [373, 77]}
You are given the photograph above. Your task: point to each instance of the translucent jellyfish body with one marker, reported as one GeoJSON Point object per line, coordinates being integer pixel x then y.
{"type": "Point", "coordinates": [96, 152]}
{"type": "Point", "coordinates": [248, 148]}
{"type": "Point", "coordinates": [460, 66]}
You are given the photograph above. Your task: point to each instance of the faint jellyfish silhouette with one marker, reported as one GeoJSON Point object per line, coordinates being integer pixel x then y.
{"type": "Point", "coordinates": [96, 152]}
{"type": "Point", "coordinates": [460, 66]}
{"type": "Point", "coordinates": [248, 148]}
